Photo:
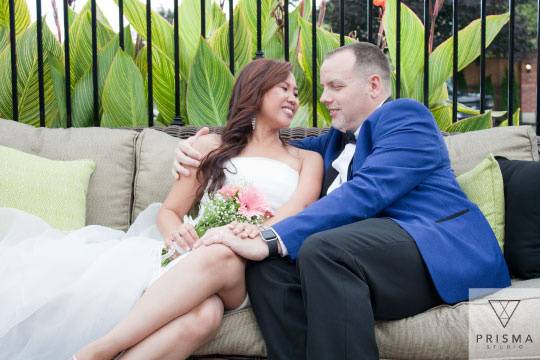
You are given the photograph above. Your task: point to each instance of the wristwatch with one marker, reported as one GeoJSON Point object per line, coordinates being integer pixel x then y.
{"type": "Point", "coordinates": [271, 239]}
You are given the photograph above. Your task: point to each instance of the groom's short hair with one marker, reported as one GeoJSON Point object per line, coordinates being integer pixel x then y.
{"type": "Point", "coordinates": [369, 60]}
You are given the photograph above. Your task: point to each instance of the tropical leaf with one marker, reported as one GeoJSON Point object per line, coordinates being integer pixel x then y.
{"type": "Point", "coordinates": [411, 45]}
{"type": "Point", "coordinates": [83, 105]}
{"type": "Point", "coordinates": [273, 48]}
{"type": "Point", "coordinates": [27, 77]}
{"type": "Point", "coordinates": [326, 42]}
{"type": "Point", "coordinates": [478, 122]}
{"type": "Point", "coordinates": [443, 115]}
{"type": "Point", "coordinates": [81, 43]}
{"type": "Point", "coordinates": [4, 37]}
{"type": "Point", "coordinates": [302, 10]}
{"type": "Point", "coordinates": [163, 85]}
{"type": "Point", "coordinates": [22, 15]}
{"type": "Point", "coordinates": [302, 118]}
{"type": "Point", "coordinates": [209, 88]}
{"type": "Point", "coordinates": [124, 100]}
{"type": "Point", "coordinates": [243, 48]}
{"type": "Point", "coordinates": [83, 92]}
{"type": "Point", "coordinates": [248, 9]}
{"type": "Point", "coordinates": [59, 88]}
{"type": "Point", "coordinates": [515, 119]}
{"type": "Point", "coordinates": [467, 110]}
{"type": "Point", "coordinates": [162, 31]}
{"type": "Point", "coordinates": [190, 31]}
{"type": "Point", "coordinates": [129, 46]}
{"type": "Point", "coordinates": [440, 62]}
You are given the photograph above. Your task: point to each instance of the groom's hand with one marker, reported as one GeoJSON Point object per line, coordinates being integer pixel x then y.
{"type": "Point", "coordinates": [251, 249]}
{"type": "Point", "coordinates": [186, 155]}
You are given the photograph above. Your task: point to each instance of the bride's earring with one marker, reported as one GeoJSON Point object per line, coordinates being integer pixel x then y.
{"type": "Point", "coordinates": [253, 122]}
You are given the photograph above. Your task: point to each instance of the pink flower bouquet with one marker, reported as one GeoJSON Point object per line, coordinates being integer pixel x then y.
{"type": "Point", "coordinates": [234, 203]}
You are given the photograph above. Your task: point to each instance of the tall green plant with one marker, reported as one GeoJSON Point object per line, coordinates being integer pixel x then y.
{"type": "Point", "coordinates": [205, 78]}
{"type": "Point", "coordinates": [440, 63]}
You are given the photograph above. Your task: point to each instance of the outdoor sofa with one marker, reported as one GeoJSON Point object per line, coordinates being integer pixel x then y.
{"type": "Point", "coordinates": [133, 169]}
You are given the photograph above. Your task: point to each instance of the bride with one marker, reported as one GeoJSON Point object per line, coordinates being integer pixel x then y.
{"type": "Point", "coordinates": [59, 291]}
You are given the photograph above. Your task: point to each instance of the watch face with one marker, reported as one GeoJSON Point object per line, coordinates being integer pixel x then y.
{"type": "Point", "coordinates": [268, 234]}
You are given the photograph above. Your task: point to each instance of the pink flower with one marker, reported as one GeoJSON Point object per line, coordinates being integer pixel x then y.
{"type": "Point", "coordinates": [229, 191]}
{"type": "Point", "coordinates": [252, 203]}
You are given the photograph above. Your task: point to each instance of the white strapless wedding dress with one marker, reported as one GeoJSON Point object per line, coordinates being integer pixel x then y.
{"type": "Point", "coordinates": [60, 290]}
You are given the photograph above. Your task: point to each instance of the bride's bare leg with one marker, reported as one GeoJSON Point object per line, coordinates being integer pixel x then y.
{"type": "Point", "coordinates": [182, 336]}
{"type": "Point", "coordinates": [210, 270]}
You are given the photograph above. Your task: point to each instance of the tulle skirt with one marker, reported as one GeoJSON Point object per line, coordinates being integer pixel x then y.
{"type": "Point", "coordinates": [61, 290]}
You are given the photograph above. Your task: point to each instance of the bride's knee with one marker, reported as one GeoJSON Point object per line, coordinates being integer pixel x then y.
{"type": "Point", "coordinates": [220, 255]}
{"type": "Point", "coordinates": [206, 319]}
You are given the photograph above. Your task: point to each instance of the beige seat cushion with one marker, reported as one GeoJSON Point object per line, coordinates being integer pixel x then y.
{"type": "Point", "coordinates": [153, 180]}
{"type": "Point", "coordinates": [468, 149]}
{"type": "Point", "coordinates": [439, 333]}
{"type": "Point", "coordinates": [113, 150]}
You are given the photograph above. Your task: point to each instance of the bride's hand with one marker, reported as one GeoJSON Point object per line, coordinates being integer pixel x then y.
{"type": "Point", "coordinates": [244, 230]}
{"type": "Point", "coordinates": [184, 235]}
{"type": "Point", "coordinates": [251, 249]}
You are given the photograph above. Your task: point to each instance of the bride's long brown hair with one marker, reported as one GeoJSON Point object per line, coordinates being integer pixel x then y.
{"type": "Point", "coordinates": [252, 83]}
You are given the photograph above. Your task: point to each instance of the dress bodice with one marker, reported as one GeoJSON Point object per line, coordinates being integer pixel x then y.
{"type": "Point", "coordinates": [276, 180]}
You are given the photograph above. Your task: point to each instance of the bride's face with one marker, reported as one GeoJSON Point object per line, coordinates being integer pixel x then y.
{"type": "Point", "coordinates": [280, 104]}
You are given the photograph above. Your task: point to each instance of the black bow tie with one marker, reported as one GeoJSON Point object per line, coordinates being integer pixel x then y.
{"type": "Point", "coordinates": [349, 138]}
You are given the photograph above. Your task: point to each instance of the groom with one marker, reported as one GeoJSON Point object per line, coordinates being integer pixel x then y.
{"type": "Point", "coordinates": [392, 236]}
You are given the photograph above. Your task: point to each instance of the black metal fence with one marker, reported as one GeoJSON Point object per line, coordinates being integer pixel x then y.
{"type": "Point", "coordinates": [260, 53]}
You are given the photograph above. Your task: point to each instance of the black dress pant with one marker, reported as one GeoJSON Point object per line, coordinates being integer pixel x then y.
{"type": "Point", "coordinates": [324, 306]}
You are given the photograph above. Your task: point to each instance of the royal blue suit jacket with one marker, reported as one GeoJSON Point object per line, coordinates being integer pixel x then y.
{"type": "Point", "coordinates": [401, 170]}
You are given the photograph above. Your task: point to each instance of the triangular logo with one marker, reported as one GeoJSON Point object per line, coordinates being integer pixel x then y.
{"type": "Point", "coordinates": [504, 309]}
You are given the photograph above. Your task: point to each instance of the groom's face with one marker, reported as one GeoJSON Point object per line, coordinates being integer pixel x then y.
{"type": "Point", "coordinates": [346, 91]}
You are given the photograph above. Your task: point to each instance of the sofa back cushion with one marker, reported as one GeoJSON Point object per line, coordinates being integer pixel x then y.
{"type": "Point", "coordinates": [113, 150]}
{"type": "Point", "coordinates": [153, 180]}
{"type": "Point", "coordinates": [468, 149]}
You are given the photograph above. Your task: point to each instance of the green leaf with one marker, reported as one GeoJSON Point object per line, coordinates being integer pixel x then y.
{"type": "Point", "coordinates": [209, 88]}
{"type": "Point", "coordinates": [326, 42]}
{"type": "Point", "coordinates": [478, 122]}
{"type": "Point", "coordinates": [81, 43]}
{"type": "Point", "coordinates": [443, 115]}
{"type": "Point", "coordinates": [163, 85]}
{"type": "Point", "coordinates": [440, 63]}
{"type": "Point", "coordinates": [129, 46]}
{"type": "Point", "coordinates": [248, 8]}
{"type": "Point", "coordinates": [22, 15]}
{"type": "Point", "coordinates": [303, 116]}
{"type": "Point", "coordinates": [412, 46]}
{"type": "Point", "coordinates": [162, 31]}
{"type": "Point", "coordinates": [83, 106]}
{"type": "Point", "coordinates": [83, 92]}
{"type": "Point", "coordinates": [302, 10]}
{"type": "Point", "coordinates": [124, 100]}
{"type": "Point", "coordinates": [27, 77]}
{"type": "Point", "coordinates": [467, 110]}
{"type": "Point", "coordinates": [515, 119]}
{"type": "Point", "coordinates": [59, 88]}
{"type": "Point", "coordinates": [4, 37]}
{"type": "Point", "coordinates": [243, 42]}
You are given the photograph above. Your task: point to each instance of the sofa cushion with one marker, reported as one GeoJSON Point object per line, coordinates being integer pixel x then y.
{"type": "Point", "coordinates": [483, 185]}
{"type": "Point", "coordinates": [522, 198]}
{"type": "Point", "coordinates": [439, 333]}
{"type": "Point", "coordinates": [153, 180]}
{"type": "Point", "coordinates": [468, 149]}
{"type": "Point", "coordinates": [50, 189]}
{"type": "Point", "coordinates": [113, 151]}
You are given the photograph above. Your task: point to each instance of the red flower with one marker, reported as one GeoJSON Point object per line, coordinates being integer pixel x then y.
{"type": "Point", "coordinates": [379, 3]}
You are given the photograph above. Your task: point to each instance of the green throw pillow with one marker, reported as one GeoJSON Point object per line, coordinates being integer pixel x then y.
{"type": "Point", "coordinates": [484, 186]}
{"type": "Point", "coordinates": [51, 189]}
